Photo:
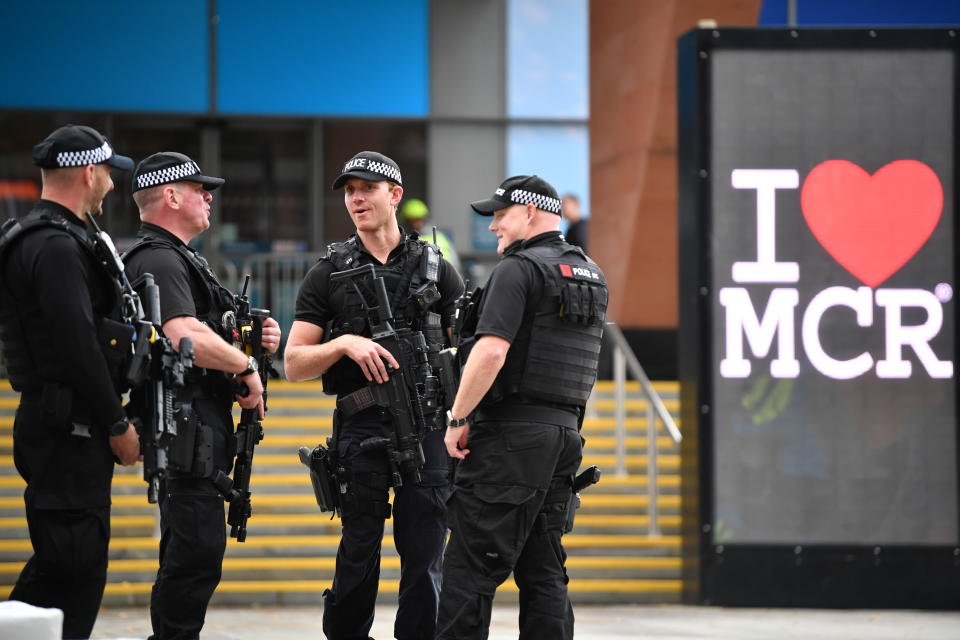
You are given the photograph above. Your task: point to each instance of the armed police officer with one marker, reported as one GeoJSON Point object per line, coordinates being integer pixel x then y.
{"type": "Point", "coordinates": [59, 313]}
{"type": "Point", "coordinates": [331, 335]}
{"type": "Point", "coordinates": [174, 198]}
{"type": "Point", "coordinates": [533, 342]}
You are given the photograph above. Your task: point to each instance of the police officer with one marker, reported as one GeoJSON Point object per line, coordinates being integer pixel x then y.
{"type": "Point", "coordinates": [533, 339]}
{"type": "Point", "coordinates": [59, 307]}
{"type": "Point", "coordinates": [330, 336]}
{"type": "Point", "coordinates": [174, 197]}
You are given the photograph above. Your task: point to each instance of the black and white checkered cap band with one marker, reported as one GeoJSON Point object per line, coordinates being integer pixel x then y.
{"type": "Point", "coordinates": [539, 201]}
{"type": "Point", "coordinates": [83, 158]}
{"type": "Point", "coordinates": [170, 174]}
{"type": "Point", "coordinates": [384, 169]}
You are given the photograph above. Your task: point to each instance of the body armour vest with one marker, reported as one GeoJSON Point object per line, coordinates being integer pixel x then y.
{"type": "Point", "coordinates": [217, 309]}
{"type": "Point", "coordinates": [555, 358]}
{"type": "Point", "coordinates": [411, 284]}
{"type": "Point", "coordinates": [28, 352]}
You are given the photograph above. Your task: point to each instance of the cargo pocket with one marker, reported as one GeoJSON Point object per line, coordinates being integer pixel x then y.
{"type": "Point", "coordinates": [526, 437]}
{"type": "Point", "coordinates": [505, 516]}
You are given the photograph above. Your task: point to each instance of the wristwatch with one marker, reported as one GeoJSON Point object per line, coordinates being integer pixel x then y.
{"type": "Point", "coordinates": [454, 422]}
{"type": "Point", "coordinates": [252, 367]}
{"type": "Point", "coordinates": [118, 428]}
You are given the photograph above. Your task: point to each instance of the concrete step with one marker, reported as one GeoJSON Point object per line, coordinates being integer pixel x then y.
{"type": "Point", "coordinates": [288, 557]}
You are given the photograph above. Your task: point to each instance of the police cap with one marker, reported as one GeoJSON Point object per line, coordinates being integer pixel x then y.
{"type": "Point", "coordinates": [170, 166]}
{"type": "Point", "coordinates": [520, 190]}
{"type": "Point", "coordinates": [370, 166]}
{"type": "Point", "coordinates": [76, 145]}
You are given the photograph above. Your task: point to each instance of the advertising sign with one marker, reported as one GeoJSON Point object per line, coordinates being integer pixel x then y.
{"type": "Point", "coordinates": [820, 327]}
{"type": "Point", "coordinates": [833, 333]}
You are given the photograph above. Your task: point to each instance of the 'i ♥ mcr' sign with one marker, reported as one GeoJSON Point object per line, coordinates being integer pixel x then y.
{"type": "Point", "coordinates": [824, 235]}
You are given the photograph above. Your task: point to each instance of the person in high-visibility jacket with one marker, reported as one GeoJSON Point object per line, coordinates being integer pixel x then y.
{"type": "Point", "coordinates": [413, 215]}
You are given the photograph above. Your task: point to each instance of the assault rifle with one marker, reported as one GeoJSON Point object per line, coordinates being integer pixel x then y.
{"type": "Point", "coordinates": [248, 336]}
{"type": "Point", "coordinates": [412, 392]}
{"type": "Point", "coordinates": [155, 372]}
{"type": "Point", "coordinates": [166, 422]}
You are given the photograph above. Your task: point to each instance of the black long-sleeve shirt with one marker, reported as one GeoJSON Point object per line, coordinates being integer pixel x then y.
{"type": "Point", "coordinates": [54, 296]}
{"type": "Point", "coordinates": [60, 294]}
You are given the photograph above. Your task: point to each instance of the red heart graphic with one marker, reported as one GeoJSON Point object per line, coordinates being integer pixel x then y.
{"type": "Point", "coordinates": [872, 225]}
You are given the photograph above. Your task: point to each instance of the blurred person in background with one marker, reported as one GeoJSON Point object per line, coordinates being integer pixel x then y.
{"type": "Point", "coordinates": [577, 233]}
{"type": "Point", "coordinates": [413, 215]}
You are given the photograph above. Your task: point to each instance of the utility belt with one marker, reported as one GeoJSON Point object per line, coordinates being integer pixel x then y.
{"type": "Point", "coordinates": [528, 413]}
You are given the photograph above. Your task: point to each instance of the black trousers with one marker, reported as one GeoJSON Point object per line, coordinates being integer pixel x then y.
{"type": "Point", "coordinates": [68, 514]}
{"type": "Point", "coordinates": [419, 531]}
{"type": "Point", "coordinates": [193, 538]}
{"type": "Point", "coordinates": [68, 568]}
{"type": "Point", "coordinates": [506, 514]}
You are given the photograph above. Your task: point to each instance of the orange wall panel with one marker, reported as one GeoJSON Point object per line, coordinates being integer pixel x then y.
{"type": "Point", "coordinates": [633, 147]}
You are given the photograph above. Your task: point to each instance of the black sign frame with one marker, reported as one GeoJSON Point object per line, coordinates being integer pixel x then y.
{"type": "Point", "coordinates": [860, 576]}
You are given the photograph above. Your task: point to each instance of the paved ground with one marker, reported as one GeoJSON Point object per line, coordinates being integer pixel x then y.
{"type": "Point", "coordinates": [593, 623]}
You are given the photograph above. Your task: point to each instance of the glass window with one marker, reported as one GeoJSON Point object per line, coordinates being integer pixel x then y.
{"type": "Point", "coordinates": [264, 204]}
{"type": "Point", "coordinates": [560, 154]}
{"type": "Point", "coordinates": [547, 59]}
{"type": "Point", "coordinates": [19, 178]}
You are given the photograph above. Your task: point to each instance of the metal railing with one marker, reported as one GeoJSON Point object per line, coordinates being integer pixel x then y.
{"type": "Point", "coordinates": [274, 282]}
{"type": "Point", "coordinates": [623, 360]}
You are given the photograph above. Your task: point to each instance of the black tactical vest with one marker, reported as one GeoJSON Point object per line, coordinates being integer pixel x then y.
{"type": "Point", "coordinates": [29, 354]}
{"type": "Point", "coordinates": [411, 283]}
{"type": "Point", "coordinates": [555, 358]}
{"type": "Point", "coordinates": [216, 307]}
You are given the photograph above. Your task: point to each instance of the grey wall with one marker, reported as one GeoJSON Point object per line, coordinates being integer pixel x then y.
{"type": "Point", "coordinates": [466, 134]}
{"type": "Point", "coordinates": [468, 59]}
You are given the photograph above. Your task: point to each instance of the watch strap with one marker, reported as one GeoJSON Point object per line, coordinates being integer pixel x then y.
{"type": "Point", "coordinates": [251, 367]}
{"type": "Point", "coordinates": [119, 427]}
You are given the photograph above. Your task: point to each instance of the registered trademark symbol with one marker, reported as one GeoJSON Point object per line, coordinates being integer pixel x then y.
{"type": "Point", "coordinates": [944, 292]}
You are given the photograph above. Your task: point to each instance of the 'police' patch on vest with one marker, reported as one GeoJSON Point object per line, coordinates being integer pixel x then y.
{"type": "Point", "coordinates": [579, 272]}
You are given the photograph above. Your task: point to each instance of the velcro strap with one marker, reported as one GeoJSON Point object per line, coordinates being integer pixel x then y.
{"type": "Point", "coordinates": [356, 402]}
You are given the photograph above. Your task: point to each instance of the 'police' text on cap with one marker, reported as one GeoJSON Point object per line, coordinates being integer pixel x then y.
{"type": "Point", "coordinates": [370, 166]}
